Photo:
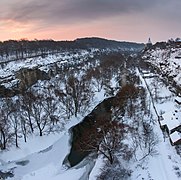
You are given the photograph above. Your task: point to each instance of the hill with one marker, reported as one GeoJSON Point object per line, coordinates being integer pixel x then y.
{"type": "Point", "coordinates": [95, 42]}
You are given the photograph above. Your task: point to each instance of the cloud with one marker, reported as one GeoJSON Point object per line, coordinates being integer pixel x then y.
{"type": "Point", "coordinates": [58, 16]}
{"type": "Point", "coordinates": [53, 12]}
{"type": "Point", "coordinates": [71, 11]}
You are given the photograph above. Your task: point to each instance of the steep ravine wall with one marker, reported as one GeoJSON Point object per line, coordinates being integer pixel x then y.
{"type": "Point", "coordinates": [25, 79]}
{"type": "Point", "coordinates": [28, 77]}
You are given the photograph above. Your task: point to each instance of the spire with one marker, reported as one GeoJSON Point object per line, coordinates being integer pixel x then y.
{"type": "Point", "coordinates": [148, 44]}
{"type": "Point", "coordinates": [149, 41]}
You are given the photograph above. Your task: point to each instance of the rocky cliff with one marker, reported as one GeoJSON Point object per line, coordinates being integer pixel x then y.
{"type": "Point", "coordinates": [28, 77]}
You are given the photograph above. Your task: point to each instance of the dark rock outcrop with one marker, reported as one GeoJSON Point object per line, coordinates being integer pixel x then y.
{"type": "Point", "coordinates": [5, 92]}
{"type": "Point", "coordinates": [28, 77]}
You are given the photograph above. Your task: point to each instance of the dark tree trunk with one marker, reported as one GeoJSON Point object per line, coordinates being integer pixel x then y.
{"type": "Point", "coordinates": [31, 125]}
{"type": "Point", "coordinates": [16, 136]}
{"type": "Point", "coordinates": [4, 139]}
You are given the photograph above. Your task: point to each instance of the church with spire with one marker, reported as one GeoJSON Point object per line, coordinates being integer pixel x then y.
{"type": "Point", "coordinates": [148, 44]}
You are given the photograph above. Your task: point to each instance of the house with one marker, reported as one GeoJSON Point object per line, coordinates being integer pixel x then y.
{"type": "Point", "coordinates": [171, 122]}
{"type": "Point", "coordinates": [149, 75]}
{"type": "Point", "coordinates": [175, 138]}
{"type": "Point", "coordinates": [178, 40]}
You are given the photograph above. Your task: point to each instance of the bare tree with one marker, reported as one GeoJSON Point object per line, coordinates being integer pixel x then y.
{"type": "Point", "coordinates": [78, 92]}
{"type": "Point", "coordinates": [39, 115]}
{"type": "Point", "coordinates": [104, 137]}
{"type": "Point", "coordinates": [6, 135]}
{"type": "Point", "coordinates": [13, 118]}
{"type": "Point", "coordinates": [150, 140]}
{"type": "Point", "coordinates": [26, 101]}
{"type": "Point", "coordinates": [5, 124]}
{"type": "Point", "coordinates": [98, 79]}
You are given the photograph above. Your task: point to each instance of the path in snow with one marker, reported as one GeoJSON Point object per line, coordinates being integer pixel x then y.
{"type": "Point", "coordinates": [161, 167]}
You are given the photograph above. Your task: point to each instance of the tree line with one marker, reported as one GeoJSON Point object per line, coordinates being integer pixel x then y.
{"type": "Point", "coordinates": [23, 48]}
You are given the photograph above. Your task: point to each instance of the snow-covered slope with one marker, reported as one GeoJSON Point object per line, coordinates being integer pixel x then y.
{"type": "Point", "coordinates": [167, 61]}
{"type": "Point", "coordinates": [8, 70]}
{"type": "Point", "coordinates": [44, 157]}
{"type": "Point", "coordinates": [43, 164]}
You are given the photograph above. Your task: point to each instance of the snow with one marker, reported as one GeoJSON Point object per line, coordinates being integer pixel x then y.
{"type": "Point", "coordinates": [97, 168]}
{"type": "Point", "coordinates": [42, 163]}
{"type": "Point", "coordinates": [175, 136]}
{"type": "Point", "coordinates": [166, 60]}
{"type": "Point", "coordinates": [161, 167]}
{"type": "Point", "coordinates": [45, 160]}
{"type": "Point", "coordinates": [44, 156]}
{"type": "Point", "coordinates": [8, 70]}
{"type": "Point", "coordinates": [34, 144]}
{"type": "Point", "coordinates": [178, 99]}
{"type": "Point", "coordinates": [167, 163]}
{"type": "Point", "coordinates": [171, 120]}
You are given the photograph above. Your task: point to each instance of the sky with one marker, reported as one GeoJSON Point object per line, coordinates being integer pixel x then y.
{"type": "Point", "coordinates": [123, 20]}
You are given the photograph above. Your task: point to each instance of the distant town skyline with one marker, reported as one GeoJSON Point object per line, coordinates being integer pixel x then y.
{"type": "Point", "coordinates": [122, 20]}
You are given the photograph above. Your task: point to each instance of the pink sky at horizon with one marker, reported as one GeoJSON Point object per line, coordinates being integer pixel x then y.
{"type": "Point", "coordinates": [33, 22]}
